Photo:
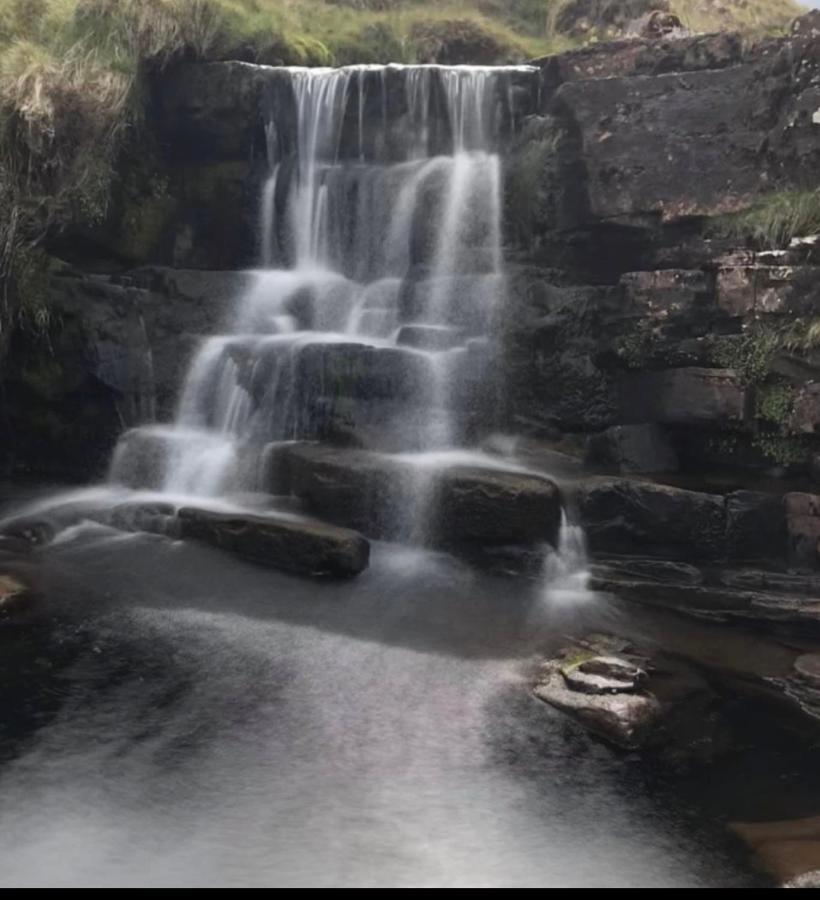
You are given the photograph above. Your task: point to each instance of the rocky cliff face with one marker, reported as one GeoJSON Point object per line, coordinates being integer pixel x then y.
{"type": "Point", "coordinates": [636, 340]}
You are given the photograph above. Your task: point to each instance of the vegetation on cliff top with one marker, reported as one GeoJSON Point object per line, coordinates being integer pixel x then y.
{"type": "Point", "coordinates": [70, 75]}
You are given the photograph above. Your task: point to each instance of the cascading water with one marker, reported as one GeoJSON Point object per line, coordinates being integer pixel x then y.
{"type": "Point", "coordinates": [393, 248]}
{"type": "Point", "coordinates": [380, 230]}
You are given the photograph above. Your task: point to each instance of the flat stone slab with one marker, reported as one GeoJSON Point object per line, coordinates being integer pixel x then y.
{"type": "Point", "coordinates": [377, 493]}
{"type": "Point", "coordinates": [300, 546]}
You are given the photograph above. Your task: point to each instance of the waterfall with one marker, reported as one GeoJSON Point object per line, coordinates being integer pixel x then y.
{"type": "Point", "coordinates": [381, 282]}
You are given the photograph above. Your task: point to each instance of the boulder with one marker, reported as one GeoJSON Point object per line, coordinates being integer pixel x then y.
{"type": "Point", "coordinates": [641, 518]}
{"type": "Point", "coordinates": [388, 496]}
{"type": "Point", "coordinates": [483, 506]}
{"type": "Point", "coordinates": [300, 546]}
{"type": "Point", "coordinates": [685, 396]}
{"type": "Point", "coordinates": [625, 719]}
{"type": "Point", "coordinates": [633, 449]}
{"type": "Point", "coordinates": [362, 490]}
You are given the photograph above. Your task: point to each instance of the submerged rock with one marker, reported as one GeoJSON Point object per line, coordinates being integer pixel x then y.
{"type": "Point", "coordinates": [301, 546]}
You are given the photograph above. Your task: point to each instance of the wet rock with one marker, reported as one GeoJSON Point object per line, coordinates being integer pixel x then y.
{"type": "Point", "coordinates": [495, 507]}
{"type": "Point", "coordinates": [655, 570]}
{"type": "Point", "coordinates": [803, 528]}
{"type": "Point", "coordinates": [755, 526]}
{"type": "Point", "coordinates": [625, 719]}
{"type": "Point", "coordinates": [386, 496]}
{"type": "Point", "coordinates": [30, 532]}
{"type": "Point", "coordinates": [301, 546]}
{"type": "Point", "coordinates": [641, 518]}
{"type": "Point", "coordinates": [633, 449]}
{"type": "Point", "coordinates": [637, 698]}
{"type": "Point", "coordinates": [685, 396]}
{"type": "Point", "coordinates": [808, 667]}
{"type": "Point", "coordinates": [603, 675]}
{"type": "Point", "coordinates": [790, 850]}
{"type": "Point", "coordinates": [152, 518]}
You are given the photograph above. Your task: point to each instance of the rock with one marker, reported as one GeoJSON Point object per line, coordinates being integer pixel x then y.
{"type": "Point", "coordinates": [383, 496]}
{"type": "Point", "coordinates": [667, 293]}
{"type": "Point", "coordinates": [803, 528]}
{"type": "Point", "coordinates": [152, 518]}
{"type": "Point", "coordinates": [742, 128]}
{"type": "Point", "coordinates": [630, 568]}
{"type": "Point", "coordinates": [297, 545]}
{"type": "Point", "coordinates": [657, 25]}
{"type": "Point", "coordinates": [30, 531]}
{"type": "Point", "coordinates": [625, 719]}
{"type": "Point", "coordinates": [755, 526]}
{"type": "Point", "coordinates": [603, 675]}
{"type": "Point", "coordinates": [750, 290]}
{"type": "Point", "coordinates": [807, 26]}
{"type": "Point", "coordinates": [112, 357]}
{"type": "Point", "coordinates": [808, 668]}
{"type": "Point", "coordinates": [483, 506]}
{"type": "Point", "coordinates": [641, 57]}
{"type": "Point", "coordinates": [805, 417]}
{"type": "Point", "coordinates": [633, 449]}
{"type": "Point", "coordinates": [688, 396]}
{"type": "Point", "coordinates": [790, 850]}
{"type": "Point", "coordinates": [640, 518]}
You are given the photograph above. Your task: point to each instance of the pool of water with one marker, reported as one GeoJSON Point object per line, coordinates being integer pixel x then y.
{"type": "Point", "coordinates": [194, 721]}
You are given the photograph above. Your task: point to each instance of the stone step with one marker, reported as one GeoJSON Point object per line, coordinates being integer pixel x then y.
{"type": "Point", "coordinates": [300, 546]}
{"type": "Point", "coordinates": [462, 503]}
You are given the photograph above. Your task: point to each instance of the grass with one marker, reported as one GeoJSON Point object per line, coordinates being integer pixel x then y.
{"type": "Point", "coordinates": [71, 71]}
{"type": "Point", "coordinates": [774, 221]}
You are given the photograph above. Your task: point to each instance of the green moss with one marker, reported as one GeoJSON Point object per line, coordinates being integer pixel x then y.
{"type": "Point", "coordinates": [775, 403]}
{"type": "Point", "coordinates": [783, 449]}
{"type": "Point", "coordinates": [750, 355]}
{"type": "Point", "coordinates": [635, 349]}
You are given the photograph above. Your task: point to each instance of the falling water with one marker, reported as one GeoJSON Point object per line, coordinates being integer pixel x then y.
{"type": "Point", "coordinates": [382, 251]}
{"type": "Point", "coordinates": [382, 235]}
